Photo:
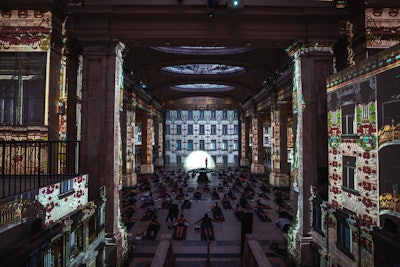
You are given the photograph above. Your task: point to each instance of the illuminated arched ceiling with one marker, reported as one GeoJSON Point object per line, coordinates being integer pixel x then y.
{"type": "Point", "coordinates": [161, 34]}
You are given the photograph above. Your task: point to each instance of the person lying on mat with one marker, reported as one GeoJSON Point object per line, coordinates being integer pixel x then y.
{"type": "Point", "coordinates": [153, 225]}
{"type": "Point", "coordinates": [206, 223]}
{"type": "Point", "coordinates": [180, 224]}
{"type": "Point", "coordinates": [217, 211]}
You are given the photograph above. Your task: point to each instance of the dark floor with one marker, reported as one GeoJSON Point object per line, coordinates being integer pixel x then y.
{"type": "Point", "coordinates": [225, 250]}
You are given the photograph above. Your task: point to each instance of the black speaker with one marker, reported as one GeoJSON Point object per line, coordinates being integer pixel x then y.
{"type": "Point", "coordinates": [247, 223]}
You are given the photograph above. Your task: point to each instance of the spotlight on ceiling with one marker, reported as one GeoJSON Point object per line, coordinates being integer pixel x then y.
{"type": "Point", "coordinates": [235, 3]}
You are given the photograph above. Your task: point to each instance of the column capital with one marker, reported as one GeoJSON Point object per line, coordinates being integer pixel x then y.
{"type": "Point", "coordinates": [97, 48]}
{"type": "Point", "coordinates": [299, 48]}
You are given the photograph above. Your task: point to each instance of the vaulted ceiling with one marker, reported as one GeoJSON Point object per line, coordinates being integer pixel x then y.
{"type": "Point", "coordinates": [173, 45]}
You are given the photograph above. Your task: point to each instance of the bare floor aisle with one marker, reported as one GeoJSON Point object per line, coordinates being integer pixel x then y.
{"type": "Point", "coordinates": [191, 250]}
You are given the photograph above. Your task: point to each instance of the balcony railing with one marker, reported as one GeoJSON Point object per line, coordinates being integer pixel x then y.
{"type": "Point", "coordinates": [27, 165]}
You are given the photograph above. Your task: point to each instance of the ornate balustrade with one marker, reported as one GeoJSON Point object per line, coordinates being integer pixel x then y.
{"type": "Point", "coordinates": [27, 165]}
{"type": "Point", "coordinates": [389, 133]}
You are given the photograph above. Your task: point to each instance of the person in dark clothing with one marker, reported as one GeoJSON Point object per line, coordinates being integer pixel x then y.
{"type": "Point", "coordinates": [173, 212]}
{"type": "Point", "coordinates": [197, 194]}
{"type": "Point", "coordinates": [206, 223]}
{"type": "Point", "coordinates": [152, 228]}
{"type": "Point", "coordinates": [217, 211]}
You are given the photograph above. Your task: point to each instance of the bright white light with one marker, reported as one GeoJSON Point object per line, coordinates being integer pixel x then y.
{"type": "Point", "coordinates": [235, 3]}
{"type": "Point", "coordinates": [197, 160]}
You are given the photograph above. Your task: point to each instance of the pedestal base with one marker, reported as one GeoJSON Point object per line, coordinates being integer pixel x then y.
{"type": "Point", "coordinates": [257, 168]}
{"type": "Point", "coordinates": [129, 180]}
{"type": "Point", "coordinates": [159, 162]}
{"type": "Point", "coordinates": [279, 180]}
{"type": "Point", "coordinates": [147, 168]}
{"type": "Point", "coordinates": [244, 162]}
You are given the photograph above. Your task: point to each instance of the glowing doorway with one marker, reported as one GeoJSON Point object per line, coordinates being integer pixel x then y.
{"type": "Point", "coordinates": [197, 160]}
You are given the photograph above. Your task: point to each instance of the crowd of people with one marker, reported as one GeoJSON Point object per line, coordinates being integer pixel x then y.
{"type": "Point", "coordinates": [175, 191]}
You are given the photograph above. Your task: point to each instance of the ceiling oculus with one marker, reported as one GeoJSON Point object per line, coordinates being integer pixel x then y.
{"type": "Point", "coordinates": [201, 69]}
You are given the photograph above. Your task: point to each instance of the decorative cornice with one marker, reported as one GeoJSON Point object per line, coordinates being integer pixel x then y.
{"type": "Point", "coordinates": [29, 30]}
{"type": "Point", "coordinates": [388, 59]}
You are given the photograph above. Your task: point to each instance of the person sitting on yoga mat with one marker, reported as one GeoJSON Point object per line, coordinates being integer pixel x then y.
{"type": "Point", "coordinates": [226, 203]}
{"type": "Point", "coordinates": [197, 194]}
{"type": "Point", "coordinates": [215, 194]}
{"type": "Point", "coordinates": [180, 224]}
{"type": "Point", "coordinates": [206, 223]}
{"type": "Point", "coordinates": [186, 201]}
{"type": "Point", "coordinates": [217, 211]}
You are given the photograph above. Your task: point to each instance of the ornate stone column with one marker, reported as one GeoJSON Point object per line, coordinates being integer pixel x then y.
{"type": "Point", "coordinates": [147, 165]}
{"type": "Point", "coordinates": [257, 163]}
{"type": "Point", "coordinates": [158, 140]}
{"type": "Point", "coordinates": [244, 141]}
{"type": "Point", "coordinates": [130, 177]}
{"type": "Point", "coordinates": [101, 134]}
{"type": "Point", "coordinates": [279, 175]}
{"type": "Point", "coordinates": [313, 63]}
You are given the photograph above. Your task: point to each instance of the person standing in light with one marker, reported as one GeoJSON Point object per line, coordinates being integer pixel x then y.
{"type": "Point", "coordinates": [206, 162]}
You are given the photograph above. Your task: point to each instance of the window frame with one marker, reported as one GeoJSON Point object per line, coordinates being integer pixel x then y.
{"type": "Point", "coordinates": [178, 145]}
{"type": "Point", "coordinates": [349, 183]}
{"type": "Point", "coordinates": [23, 89]}
{"type": "Point", "coordinates": [348, 111]}
{"type": "Point", "coordinates": [213, 130]}
{"type": "Point", "coordinates": [344, 236]}
{"type": "Point", "coordinates": [190, 145]}
{"type": "Point", "coordinates": [224, 145]}
{"type": "Point", "coordinates": [317, 222]}
{"type": "Point", "coordinates": [213, 145]}
{"type": "Point", "coordinates": [225, 129]}
{"type": "Point", "coordinates": [190, 129]}
{"type": "Point", "coordinates": [178, 129]}
{"type": "Point", "coordinates": [202, 129]}
{"type": "Point", "coordinates": [202, 144]}
{"type": "Point", "coordinates": [66, 186]}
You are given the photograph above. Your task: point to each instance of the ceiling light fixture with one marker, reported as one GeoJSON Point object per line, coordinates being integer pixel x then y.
{"type": "Point", "coordinates": [235, 4]}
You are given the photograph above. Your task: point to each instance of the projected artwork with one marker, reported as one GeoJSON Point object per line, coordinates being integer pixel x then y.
{"type": "Point", "coordinates": [199, 159]}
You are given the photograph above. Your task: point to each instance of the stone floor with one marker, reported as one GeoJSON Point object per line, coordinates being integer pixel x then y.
{"type": "Point", "coordinates": [225, 250]}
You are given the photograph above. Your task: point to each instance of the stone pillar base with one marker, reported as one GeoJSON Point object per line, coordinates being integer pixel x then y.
{"type": "Point", "coordinates": [257, 168]}
{"type": "Point", "coordinates": [147, 168]}
{"type": "Point", "coordinates": [129, 180]}
{"type": "Point", "coordinates": [279, 180]}
{"type": "Point", "coordinates": [244, 162]}
{"type": "Point", "coordinates": [159, 162]}
{"type": "Point", "coordinates": [305, 251]}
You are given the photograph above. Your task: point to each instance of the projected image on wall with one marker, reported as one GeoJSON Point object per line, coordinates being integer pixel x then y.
{"type": "Point", "coordinates": [199, 160]}
{"type": "Point", "coordinates": [192, 136]}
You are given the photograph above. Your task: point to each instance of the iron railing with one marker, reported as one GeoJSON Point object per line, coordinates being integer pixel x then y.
{"type": "Point", "coordinates": [27, 165]}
